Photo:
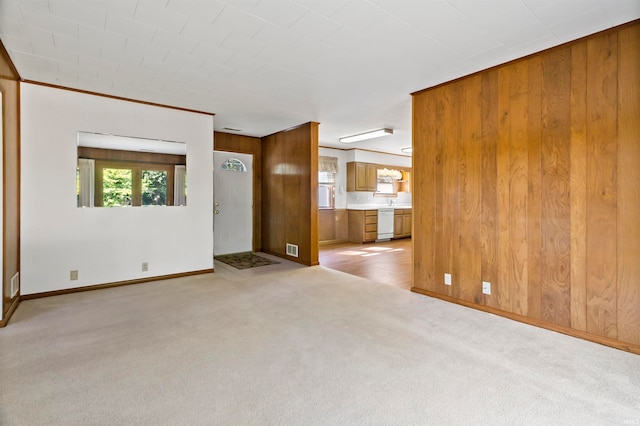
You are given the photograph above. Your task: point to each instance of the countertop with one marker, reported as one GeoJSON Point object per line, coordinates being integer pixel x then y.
{"type": "Point", "coordinates": [377, 206]}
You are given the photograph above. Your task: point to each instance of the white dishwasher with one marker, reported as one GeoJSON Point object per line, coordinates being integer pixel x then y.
{"type": "Point", "coordinates": [385, 224]}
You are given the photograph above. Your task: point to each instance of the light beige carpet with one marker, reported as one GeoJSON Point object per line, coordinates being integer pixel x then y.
{"type": "Point", "coordinates": [306, 346]}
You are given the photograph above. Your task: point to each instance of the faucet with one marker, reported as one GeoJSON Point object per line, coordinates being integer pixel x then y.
{"type": "Point", "coordinates": [392, 202]}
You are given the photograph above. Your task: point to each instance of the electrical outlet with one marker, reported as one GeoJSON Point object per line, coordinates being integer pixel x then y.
{"type": "Point", "coordinates": [486, 287]}
{"type": "Point", "coordinates": [447, 279]}
{"type": "Point", "coordinates": [145, 266]}
{"type": "Point", "coordinates": [73, 275]}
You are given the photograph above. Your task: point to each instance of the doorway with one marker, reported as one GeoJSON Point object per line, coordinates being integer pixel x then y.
{"type": "Point", "coordinates": [233, 202]}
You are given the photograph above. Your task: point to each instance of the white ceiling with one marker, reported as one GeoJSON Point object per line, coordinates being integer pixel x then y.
{"type": "Point", "coordinates": [266, 65]}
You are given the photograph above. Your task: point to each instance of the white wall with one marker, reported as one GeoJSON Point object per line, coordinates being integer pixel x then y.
{"type": "Point", "coordinates": [105, 244]}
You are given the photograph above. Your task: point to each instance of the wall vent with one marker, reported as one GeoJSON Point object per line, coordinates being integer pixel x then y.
{"type": "Point", "coordinates": [15, 284]}
{"type": "Point", "coordinates": [292, 250]}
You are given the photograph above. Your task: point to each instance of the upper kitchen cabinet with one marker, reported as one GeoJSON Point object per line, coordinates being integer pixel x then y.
{"type": "Point", "coordinates": [404, 184]}
{"type": "Point", "coordinates": [362, 177]}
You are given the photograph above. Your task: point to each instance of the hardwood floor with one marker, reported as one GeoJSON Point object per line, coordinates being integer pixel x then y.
{"type": "Point", "coordinates": [387, 262]}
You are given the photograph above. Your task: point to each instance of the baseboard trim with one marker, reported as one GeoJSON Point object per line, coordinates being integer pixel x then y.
{"type": "Point", "coordinates": [114, 284]}
{"type": "Point", "coordinates": [12, 309]}
{"type": "Point", "coordinates": [292, 259]}
{"type": "Point", "coordinates": [606, 341]}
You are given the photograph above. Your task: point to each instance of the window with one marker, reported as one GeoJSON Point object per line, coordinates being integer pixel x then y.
{"type": "Point", "coordinates": [154, 188]}
{"type": "Point", "coordinates": [326, 190]}
{"type": "Point", "coordinates": [117, 187]}
{"type": "Point", "coordinates": [233, 165]}
{"type": "Point", "coordinates": [124, 184]}
{"type": "Point", "coordinates": [327, 170]}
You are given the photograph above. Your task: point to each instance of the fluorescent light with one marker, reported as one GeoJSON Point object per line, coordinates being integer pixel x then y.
{"type": "Point", "coordinates": [367, 135]}
{"type": "Point", "coordinates": [407, 150]}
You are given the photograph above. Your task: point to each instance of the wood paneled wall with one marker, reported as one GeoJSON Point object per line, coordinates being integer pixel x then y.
{"type": "Point", "coordinates": [10, 88]}
{"type": "Point", "coordinates": [247, 145]}
{"type": "Point", "coordinates": [527, 175]}
{"type": "Point", "coordinates": [290, 192]}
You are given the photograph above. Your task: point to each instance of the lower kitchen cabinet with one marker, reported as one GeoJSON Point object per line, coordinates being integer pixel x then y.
{"type": "Point", "coordinates": [402, 223]}
{"type": "Point", "coordinates": [363, 226]}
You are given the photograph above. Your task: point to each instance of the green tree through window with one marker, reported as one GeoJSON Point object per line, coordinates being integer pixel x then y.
{"type": "Point", "coordinates": [117, 187]}
{"type": "Point", "coordinates": [154, 188]}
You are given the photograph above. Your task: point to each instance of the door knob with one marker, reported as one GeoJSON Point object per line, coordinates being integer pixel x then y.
{"type": "Point", "coordinates": [216, 211]}
{"type": "Point", "coordinates": [217, 204]}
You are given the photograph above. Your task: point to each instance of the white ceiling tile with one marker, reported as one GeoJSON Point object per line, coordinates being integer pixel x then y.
{"type": "Point", "coordinates": [48, 22]}
{"type": "Point", "coordinates": [476, 45]}
{"type": "Point", "coordinates": [204, 10]}
{"type": "Point", "coordinates": [279, 12]}
{"type": "Point", "coordinates": [324, 7]}
{"type": "Point", "coordinates": [140, 49]}
{"type": "Point", "coordinates": [209, 33]}
{"type": "Point", "coordinates": [344, 39]}
{"type": "Point", "coordinates": [242, 45]}
{"type": "Point", "coordinates": [275, 36]}
{"type": "Point", "coordinates": [174, 42]}
{"type": "Point", "coordinates": [36, 35]}
{"type": "Point", "coordinates": [217, 71]}
{"type": "Point", "coordinates": [579, 25]}
{"type": "Point", "coordinates": [314, 26]}
{"type": "Point", "coordinates": [439, 20]}
{"type": "Point", "coordinates": [98, 63]}
{"type": "Point", "coordinates": [79, 11]}
{"type": "Point", "coordinates": [83, 47]}
{"type": "Point", "coordinates": [553, 12]}
{"type": "Point", "coordinates": [243, 62]}
{"type": "Point", "coordinates": [154, 13]}
{"type": "Point", "coordinates": [211, 52]}
{"type": "Point", "coordinates": [360, 16]}
{"type": "Point", "coordinates": [9, 14]}
{"type": "Point", "coordinates": [100, 37]}
{"type": "Point", "coordinates": [17, 44]}
{"type": "Point", "coordinates": [35, 64]}
{"type": "Point", "coordinates": [97, 85]}
{"type": "Point", "coordinates": [130, 28]}
{"type": "Point", "coordinates": [238, 22]}
{"type": "Point", "coordinates": [157, 63]}
{"type": "Point", "coordinates": [120, 56]}
{"type": "Point", "coordinates": [87, 66]}
{"type": "Point", "coordinates": [244, 5]}
{"type": "Point", "coordinates": [621, 11]}
{"type": "Point", "coordinates": [126, 8]}
{"type": "Point", "coordinates": [183, 60]}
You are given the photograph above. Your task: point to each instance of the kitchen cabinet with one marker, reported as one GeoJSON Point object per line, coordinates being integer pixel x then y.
{"type": "Point", "coordinates": [362, 177]}
{"type": "Point", "coordinates": [404, 185]}
{"type": "Point", "coordinates": [363, 226]}
{"type": "Point", "coordinates": [332, 226]}
{"type": "Point", "coordinates": [402, 223]}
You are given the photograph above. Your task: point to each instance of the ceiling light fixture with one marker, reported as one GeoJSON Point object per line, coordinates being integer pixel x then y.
{"type": "Point", "coordinates": [366, 135]}
{"type": "Point", "coordinates": [407, 150]}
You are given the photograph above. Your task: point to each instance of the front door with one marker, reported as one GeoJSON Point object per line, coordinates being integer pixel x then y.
{"type": "Point", "coordinates": [233, 202]}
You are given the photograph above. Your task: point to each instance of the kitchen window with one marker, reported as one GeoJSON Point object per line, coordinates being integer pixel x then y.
{"type": "Point", "coordinates": [326, 190]}
{"type": "Point", "coordinates": [327, 170]}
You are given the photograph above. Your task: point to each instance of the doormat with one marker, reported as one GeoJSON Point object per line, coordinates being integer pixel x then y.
{"type": "Point", "coordinates": [245, 260]}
